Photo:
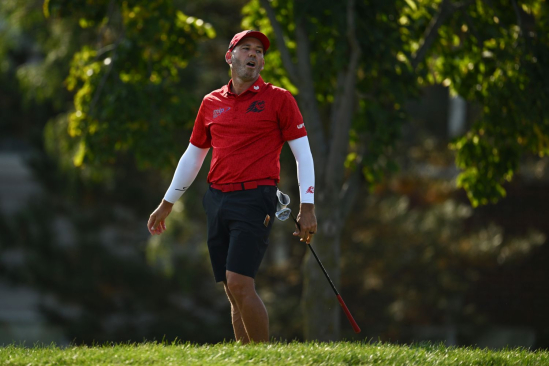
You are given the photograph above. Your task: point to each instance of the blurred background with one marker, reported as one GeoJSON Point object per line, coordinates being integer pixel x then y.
{"type": "Point", "coordinates": [428, 125]}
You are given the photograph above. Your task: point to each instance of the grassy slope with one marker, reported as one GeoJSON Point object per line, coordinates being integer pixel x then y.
{"type": "Point", "coordinates": [341, 353]}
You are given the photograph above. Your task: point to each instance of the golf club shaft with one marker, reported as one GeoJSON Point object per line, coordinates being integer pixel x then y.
{"type": "Point", "coordinates": [339, 298]}
{"type": "Point", "coordinates": [324, 270]}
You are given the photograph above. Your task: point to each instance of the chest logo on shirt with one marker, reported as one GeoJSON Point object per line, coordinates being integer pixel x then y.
{"type": "Point", "coordinates": [218, 112]}
{"type": "Point", "coordinates": [256, 106]}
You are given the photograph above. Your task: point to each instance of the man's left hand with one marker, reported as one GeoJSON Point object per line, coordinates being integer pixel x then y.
{"type": "Point", "coordinates": [307, 222]}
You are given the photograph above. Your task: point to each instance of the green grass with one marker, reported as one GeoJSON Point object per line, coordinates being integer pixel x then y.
{"type": "Point", "coordinates": [339, 353]}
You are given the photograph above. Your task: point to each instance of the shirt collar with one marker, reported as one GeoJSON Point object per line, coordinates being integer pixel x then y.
{"type": "Point", "coordinates": [255, 87]}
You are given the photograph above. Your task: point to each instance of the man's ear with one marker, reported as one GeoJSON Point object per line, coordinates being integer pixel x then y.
{"type": "Point", "coordinates": [228, 57]}
{"type": "Point", "coordinates": [262, 66]}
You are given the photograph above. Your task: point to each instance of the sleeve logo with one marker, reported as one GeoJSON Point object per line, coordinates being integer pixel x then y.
{"type": "Point", "coordinates": [311, 189]}
{"type": "Point", "coordinates": [256, 106]}
{"type": "Point", "coordinates": [301, 125]}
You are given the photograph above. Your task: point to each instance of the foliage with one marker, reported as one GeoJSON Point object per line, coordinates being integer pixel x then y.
{"type": "Point", "coordinates": [490, 54]}
{"type": "Point", "coordinates": [430, 257]}
{"type": "Point", "coordinates": [36, 53]}
{"type": "Point", "coordinates": [415, 255]}
{"type": "Point", "coordinates": [26, 50]}
{"type": "Point", "coordinates": [493, 54]}
{"type": "Point", "coordinates": [512, 86]}
{"type": "Point", "coordinates": [130, 84]}
{"type": "Point", "coordinates": [87, 262]}
{"type": "Point", "coordinates": [340, 353]}
{"type": "Point", "coordinates": [401, 46]}
{"type": "Point", "coordinates": [32, 59]}
{"type": "Point", "coordinates": [384, 80]}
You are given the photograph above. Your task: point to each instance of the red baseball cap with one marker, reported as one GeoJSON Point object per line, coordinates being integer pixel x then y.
{"type": "Point", "coordinates": [250, 33]}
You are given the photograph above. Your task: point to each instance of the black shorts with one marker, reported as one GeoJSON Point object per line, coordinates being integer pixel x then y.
{"type": "Point", "coordinates": [238, 229]}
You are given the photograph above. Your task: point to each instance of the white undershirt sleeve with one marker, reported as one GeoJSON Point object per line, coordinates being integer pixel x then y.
{"type": "Point", "coordinates": [305, 168]}
{"type": "Point", "coordinates": [186, 172]}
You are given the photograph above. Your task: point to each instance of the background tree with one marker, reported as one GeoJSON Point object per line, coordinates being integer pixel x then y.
{"type": "Point", "coordinates": [87, 222]}
{"type": "Point", "coordinates": [353, 77]}
{"type": "Point", "coordinates": [342, 57]}
{"type": "Point", "coordinates": [352, 65]}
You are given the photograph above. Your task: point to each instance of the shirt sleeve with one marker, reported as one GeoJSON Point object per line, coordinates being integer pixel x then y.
{"type": "Point", "coordinates": [200, 136]}
{"type": "Point", "coordinates": [290, 118]}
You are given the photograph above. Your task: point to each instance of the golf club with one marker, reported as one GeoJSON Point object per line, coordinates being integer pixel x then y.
{"type": "Point", "coordinates": [339, 298]}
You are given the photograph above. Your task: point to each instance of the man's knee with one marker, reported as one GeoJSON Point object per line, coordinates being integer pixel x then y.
{"type": "Point", "coordinates": [239, 285]}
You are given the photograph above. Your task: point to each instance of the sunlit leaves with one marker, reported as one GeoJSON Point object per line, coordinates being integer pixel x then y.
{"type": "Point", "coordinates": [482, 54]}
{"type": "Point", "coordinates": [130, 96]}
{"type": "Point", "coordinates": [487, 164]}
{"type": "Point", "coordinates": [479, 52]}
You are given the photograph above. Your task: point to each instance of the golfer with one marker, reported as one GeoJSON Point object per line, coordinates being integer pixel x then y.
{"type": "Point", "coordinates": [246, 123]}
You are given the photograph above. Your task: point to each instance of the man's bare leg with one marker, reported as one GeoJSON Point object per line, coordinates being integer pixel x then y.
{"type": "Point", "coordinates": [238, 326]}
{"type": "Point", "coordinates": [252, 310]}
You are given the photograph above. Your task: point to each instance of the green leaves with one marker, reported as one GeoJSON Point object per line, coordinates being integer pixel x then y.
{"type": "Point", "coordinates": [497, 66]}
{"type": "Point", "coordinates": [130, 77]}
{"type": "Point", "coordinates": [487, 165]}
{"type": "Point", "coordinates": [384, 79]}
{"type": "Point", "coordinates": [130, 94]}
{"type": "Point", "coordinates": [490, 55]}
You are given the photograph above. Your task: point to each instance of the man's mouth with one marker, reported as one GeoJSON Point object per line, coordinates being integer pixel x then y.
{"type": "Point", "coordinates": [251, 63]}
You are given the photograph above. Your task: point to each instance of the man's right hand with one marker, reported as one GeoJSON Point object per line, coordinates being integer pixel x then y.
{"type": "Point", "coordinates": [157, 220]}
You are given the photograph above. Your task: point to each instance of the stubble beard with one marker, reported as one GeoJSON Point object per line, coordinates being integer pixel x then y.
{"type": "Point", "coordinates": [242, 72]}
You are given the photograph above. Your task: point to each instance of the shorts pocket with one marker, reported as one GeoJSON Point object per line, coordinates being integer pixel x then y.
{"type": "Point", "coordinates": [268, 194]}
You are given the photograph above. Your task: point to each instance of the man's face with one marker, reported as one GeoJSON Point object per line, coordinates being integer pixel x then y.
{"type": "Point", "coordinates": [246, 59]}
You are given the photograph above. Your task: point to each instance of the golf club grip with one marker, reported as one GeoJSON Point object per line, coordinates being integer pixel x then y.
{"type": "Point", "coordinates": [348, 313]}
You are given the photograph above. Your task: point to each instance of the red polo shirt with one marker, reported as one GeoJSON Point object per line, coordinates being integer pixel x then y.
{"type": "Point", "coordinates": [247, 131]}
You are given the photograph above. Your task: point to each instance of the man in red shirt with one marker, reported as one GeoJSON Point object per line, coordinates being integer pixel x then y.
{"type": "Point", "coordinates": [246, 124]}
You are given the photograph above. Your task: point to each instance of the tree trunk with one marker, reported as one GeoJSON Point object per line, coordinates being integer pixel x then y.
{"type": "Point", "coordinates": [320, 306]}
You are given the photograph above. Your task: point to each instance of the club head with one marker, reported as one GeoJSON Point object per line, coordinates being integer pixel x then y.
{"type": "Point", "coordinates": [283, 200]}
{"type": "Point", "coordinates": [283, 214]}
